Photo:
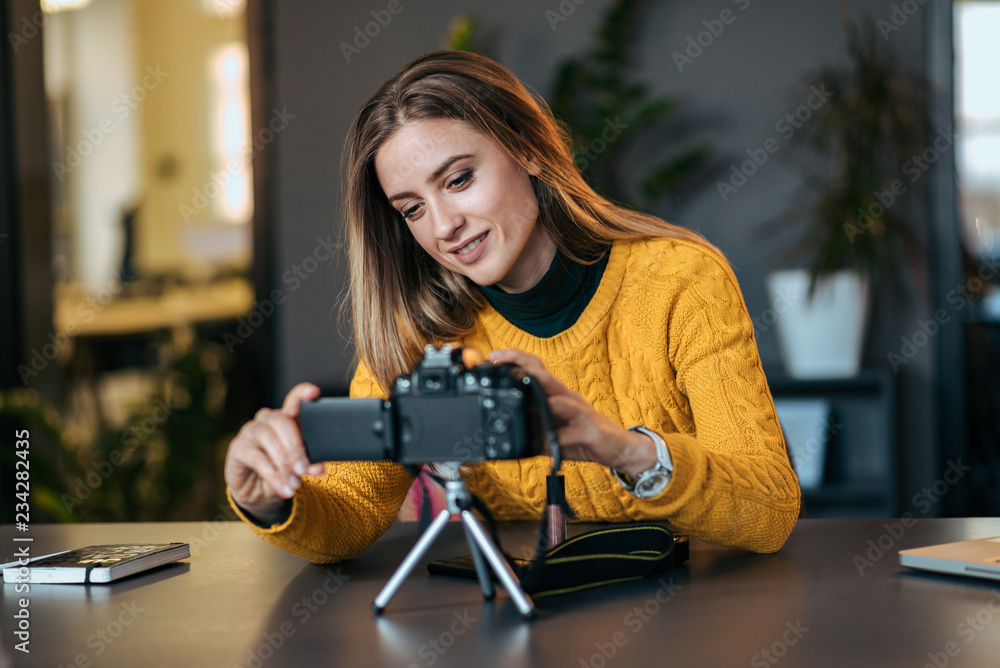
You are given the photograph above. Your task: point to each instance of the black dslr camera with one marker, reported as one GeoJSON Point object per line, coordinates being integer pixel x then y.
{"type": "Point", "coordinates": [446, 410]}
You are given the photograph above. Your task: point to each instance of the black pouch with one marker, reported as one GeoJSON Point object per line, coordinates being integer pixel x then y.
{"type": "Point", "coordinates": [617, 553]}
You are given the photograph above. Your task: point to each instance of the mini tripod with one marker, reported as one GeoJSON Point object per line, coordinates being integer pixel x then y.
{"type": "Point", "coordinates": [482, 547]}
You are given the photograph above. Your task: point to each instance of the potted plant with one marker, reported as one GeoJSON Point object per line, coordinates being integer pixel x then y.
{"type": "Point", "coordinates": [859, 142]}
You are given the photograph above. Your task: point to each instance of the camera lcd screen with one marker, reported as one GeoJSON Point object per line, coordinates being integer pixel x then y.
{"type": "Point", "coordinates": [441, 429]}
{"type": "Point", "coordinates": [342, 430]}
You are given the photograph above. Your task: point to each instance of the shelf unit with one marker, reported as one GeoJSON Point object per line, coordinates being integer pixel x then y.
{"type": "Point", "coordinates": [861, 470]}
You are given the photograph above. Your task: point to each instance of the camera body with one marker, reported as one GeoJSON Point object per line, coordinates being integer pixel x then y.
{"type": "Point", "coordinates": [443, 411]}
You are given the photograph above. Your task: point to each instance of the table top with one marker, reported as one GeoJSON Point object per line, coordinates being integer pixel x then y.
{"type": "Point", "coordinates": [835, 595]}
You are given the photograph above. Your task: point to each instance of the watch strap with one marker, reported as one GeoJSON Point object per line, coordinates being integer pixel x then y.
{"type": "Point", "coordinates": [664, 466]}
{"type": "Point", "coordinates": [663, 457]}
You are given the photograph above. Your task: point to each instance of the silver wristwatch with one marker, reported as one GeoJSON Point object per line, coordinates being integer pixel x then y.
{"type": "Point", "coordinates": [653, 481]}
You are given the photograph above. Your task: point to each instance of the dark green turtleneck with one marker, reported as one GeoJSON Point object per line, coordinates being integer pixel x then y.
{"type": "Point", "coordinates": [555, 304]}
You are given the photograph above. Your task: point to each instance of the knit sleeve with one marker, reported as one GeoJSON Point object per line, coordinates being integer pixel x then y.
{"type": "Point", "coordinates": [337, 515]}
{"type": "Point", "coordinates": [733, 483]}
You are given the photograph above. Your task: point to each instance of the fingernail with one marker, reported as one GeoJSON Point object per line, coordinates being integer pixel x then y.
{"type": "Point", "coordinates": [294, 481]}
{"type": "Point", "coordinates": [287, 491]}
{"type": "Point", "coordinates": [299, 467]}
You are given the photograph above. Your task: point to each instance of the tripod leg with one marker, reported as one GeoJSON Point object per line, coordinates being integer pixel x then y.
{"type": "Point", "coordinates": [418, 550]}
{"type": "Point", "coordinates": [500, 566]}
{"type": "Point", "coordinates": [482, 570]}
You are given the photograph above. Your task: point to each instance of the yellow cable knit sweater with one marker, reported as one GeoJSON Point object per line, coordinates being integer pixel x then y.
{"type": "Point", "coordinates": [665, 342]}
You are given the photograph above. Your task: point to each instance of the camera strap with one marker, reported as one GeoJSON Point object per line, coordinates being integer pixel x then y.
{"type": "Point", "coordinates": [604, 556]}
{"type": "Point", "coordinates": [617, 553]}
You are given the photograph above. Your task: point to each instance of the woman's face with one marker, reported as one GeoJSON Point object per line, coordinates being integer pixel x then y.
{"type": "Point", "coordinates": [466, 202]}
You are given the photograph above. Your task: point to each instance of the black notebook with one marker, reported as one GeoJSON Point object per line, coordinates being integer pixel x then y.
{"type": "Point", "coordinates": [96, 563]}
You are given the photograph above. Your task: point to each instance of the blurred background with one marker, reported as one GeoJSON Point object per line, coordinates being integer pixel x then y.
{"type": "Point", "coordinates": [171, 247]}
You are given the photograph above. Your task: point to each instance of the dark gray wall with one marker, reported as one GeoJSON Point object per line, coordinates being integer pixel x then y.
{"type": "Point", "coordinates": [731, 96]}
{"type": "Point", "coordinates": [27, 279]}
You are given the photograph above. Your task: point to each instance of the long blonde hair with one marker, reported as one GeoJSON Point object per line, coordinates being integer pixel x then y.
{"type": "Point", "coordinates": [401, 298]}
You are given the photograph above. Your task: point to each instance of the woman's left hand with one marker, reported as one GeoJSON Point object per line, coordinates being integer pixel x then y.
{"type": "Point", "coordinates": [584, 434]}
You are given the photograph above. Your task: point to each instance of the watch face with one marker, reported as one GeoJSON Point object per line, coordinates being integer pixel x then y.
{"type": "Point", "coordinates": [652, 484]}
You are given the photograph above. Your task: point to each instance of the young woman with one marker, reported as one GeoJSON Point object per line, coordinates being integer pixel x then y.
{"type": "Point", "coordinates": [469, 223]}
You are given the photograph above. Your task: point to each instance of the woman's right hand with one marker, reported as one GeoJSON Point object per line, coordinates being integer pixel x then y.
{"type": "Point", "coordinates": [266, 460]}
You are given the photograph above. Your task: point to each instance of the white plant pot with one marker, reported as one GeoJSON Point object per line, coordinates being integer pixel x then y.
{"type": "Point", "coordinates": [820, 337]}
